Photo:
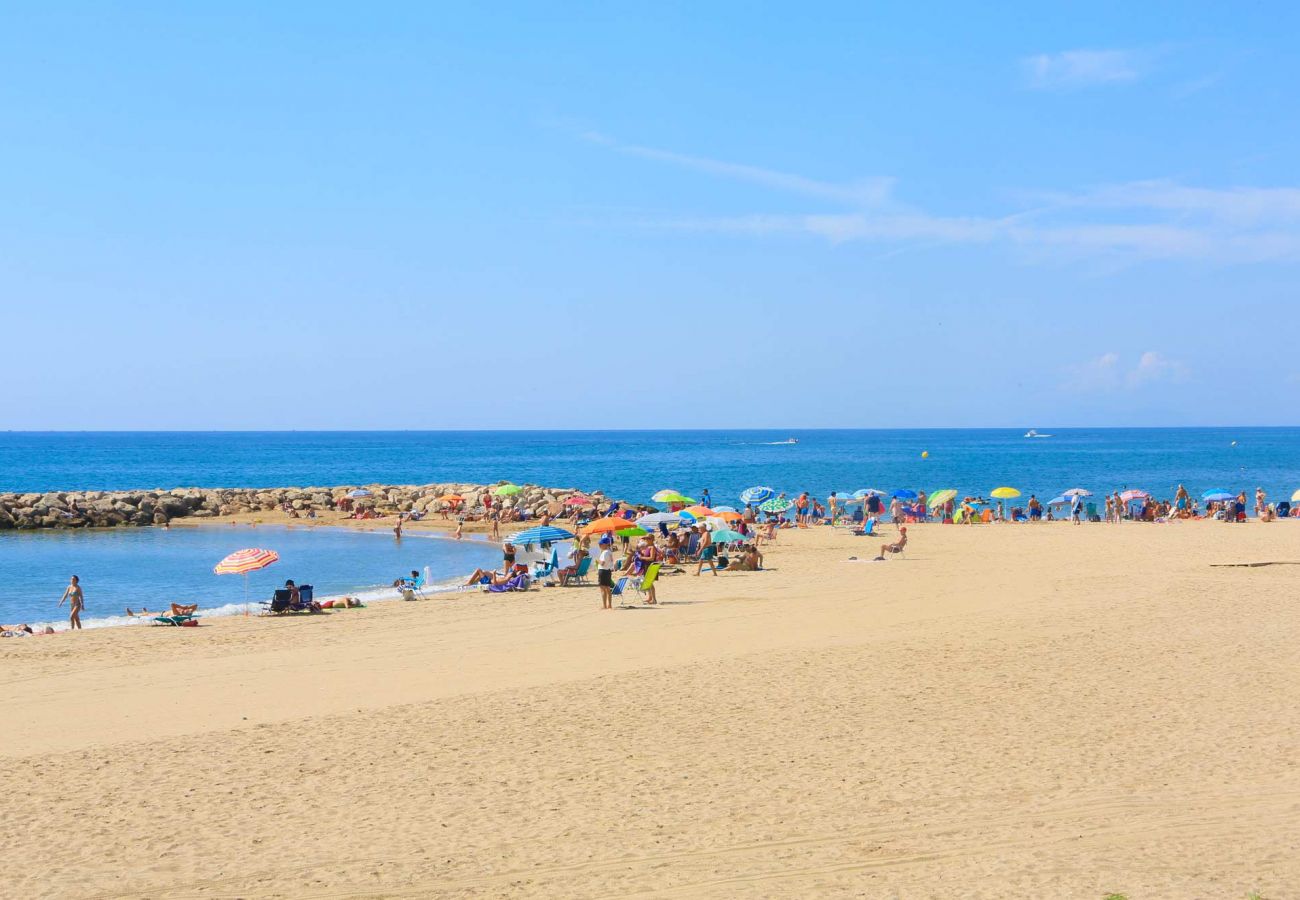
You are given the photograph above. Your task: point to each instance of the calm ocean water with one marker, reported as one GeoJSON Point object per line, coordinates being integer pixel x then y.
{"type": "Point", "coordinates": [152, 566]}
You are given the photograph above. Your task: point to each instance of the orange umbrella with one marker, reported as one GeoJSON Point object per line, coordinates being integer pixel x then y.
{"type": "Point", "coordinates": [605, 525]}
{"type": "Point", "coordinates": [451, 498]}
{"type": "Point", "coordinates": [728, 516]}
{"type": "Point", "coordinates": [698, 511]}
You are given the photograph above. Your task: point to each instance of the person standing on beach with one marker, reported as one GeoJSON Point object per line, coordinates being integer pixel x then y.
{"type": "Point", "coordinates": [707, 552]}
{"type": "Point", "coordinates": [76, 598]}
{"type": "Point", "coordinates": [605, 573]}
{"type": "Point", "coordinates": [1261, 502]}
{"type": "Point", "coordinates": [705, 499]}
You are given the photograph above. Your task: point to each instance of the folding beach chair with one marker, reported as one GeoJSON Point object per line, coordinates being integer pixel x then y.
{"type": "Point", "coordinates": [651, 573]}
{"type": "Point", "coordinates": [619, 587]}
{"type": "Point", "coordinates": [579, 575]}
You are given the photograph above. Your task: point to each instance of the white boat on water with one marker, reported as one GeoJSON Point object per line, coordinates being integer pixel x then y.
{"type": "Point", "coordinates": [786, 441]}
{"type": "Point", "coordinates": [1034, 434]}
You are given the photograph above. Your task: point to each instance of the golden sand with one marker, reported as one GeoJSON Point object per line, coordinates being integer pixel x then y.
{"type": "Point", "coordinates": [1008, 711]}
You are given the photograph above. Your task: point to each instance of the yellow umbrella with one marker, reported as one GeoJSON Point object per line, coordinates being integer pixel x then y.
{"type": "Point", "coordinates": [1005, 493]}
{"type": "Point", "coordinates": [1295, 498]}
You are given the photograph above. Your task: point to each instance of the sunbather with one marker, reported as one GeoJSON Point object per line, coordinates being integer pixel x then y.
{"type": "Point", "coordinates": [896, 547]}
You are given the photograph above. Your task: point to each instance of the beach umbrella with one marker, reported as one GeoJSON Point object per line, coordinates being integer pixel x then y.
{"type": "Point", "coordinates": [631, 532]}
{"type": "Point", "coordinates": [726, 536]}
{"type": "Point", "coordinates": [905, 494]}
{"type": "Point", "coordinates": [577, 500]}
{"type": "Point", "coordinates": [605, 525]}
{"type": "Point", "coordinates": [727, 515]}
{"type": "Point", "coordinates": [724, 509]}
{"type": "Point", "coordinates": [1295, 498]}
{"type": "Point", "coordinates": [668, 495]}
{"type": "Point", "coordinates": [451, 498]}
{"type": "Point", "coordinates": [358, 493]}
{"type": "Point", "coordinates": [698, 512]}
{"type": "Point", "coordinates": [756, 494]}
{"type": "Point", "coordinates": [541, 534]}
{"type": "Point", "coordinates": [507, 490]}
{"type": "Point", "coordinates": [1058, 501]}
{"type": "Point", "coordinates": [776, 505]}
{"type": "Point", "coordinates": [1005, 493]}
{"type": "Point", "coordinates": [241, 562]}
{"type": "Point", "coordinates": [938, 498]}
{"type": "Point", "coordinates": [869, 492]}
{"type": "Point", "coordinates": [1134, 494]}
{"type": "Point", "coordinates": [1076, 492]}
{"type": "Point", "coordinates": [1217, 496]}
{"type": "Point", "coordinates": [654, 520]}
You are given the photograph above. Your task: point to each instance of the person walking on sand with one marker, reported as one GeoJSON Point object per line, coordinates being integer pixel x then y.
{"type": "Point", "coordinates": [76, 598]}
{"type": "Point", "coordinates": [707, 552]}
{"type": "Point", "coordinates": [605, 573]}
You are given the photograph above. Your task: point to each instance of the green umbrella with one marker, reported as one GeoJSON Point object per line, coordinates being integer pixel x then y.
{"type": "Point", "coordinates": [938, 498]}
{"type": "Point", "coordinates": [668, 495]}
{"type": "Point", "coordinates": [507, 490]}
{"type": "Point", "coordinates": [776, 505]}
{"type": "Point", "coordinates": [631, 532]}
{"type": "Point", "coordinates": [726, 536]}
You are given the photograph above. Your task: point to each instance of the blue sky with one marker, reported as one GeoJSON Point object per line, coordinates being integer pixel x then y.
{"type": "Point", "coordinates": [321, 215]}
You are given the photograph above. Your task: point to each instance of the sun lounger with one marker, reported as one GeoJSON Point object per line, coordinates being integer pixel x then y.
{"type": "Point", "coordinates": [174, 620]}
{"type": "Point", "coordinates": [519, 582]}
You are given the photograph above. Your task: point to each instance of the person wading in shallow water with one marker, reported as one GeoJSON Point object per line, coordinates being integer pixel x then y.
{"type": "Point", "coordinates": [76, 601]}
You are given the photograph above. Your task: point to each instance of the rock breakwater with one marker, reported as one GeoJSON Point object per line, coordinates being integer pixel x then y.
{"type": "Point", "coordinates": [115, 509]}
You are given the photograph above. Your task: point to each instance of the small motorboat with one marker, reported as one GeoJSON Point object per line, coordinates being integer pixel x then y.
{"type": "Point", "coordinates": [1034, 434]}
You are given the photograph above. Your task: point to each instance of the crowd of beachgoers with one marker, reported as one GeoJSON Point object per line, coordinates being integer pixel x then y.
{"type": "Point", "coordinates": [624, 548]}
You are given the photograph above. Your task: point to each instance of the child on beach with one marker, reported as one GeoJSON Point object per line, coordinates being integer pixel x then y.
{"type": "Point", "coordinates": [605, 573]}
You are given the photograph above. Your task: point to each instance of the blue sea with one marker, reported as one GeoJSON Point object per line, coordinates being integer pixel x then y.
{"type": "Point", "coordinates": [157, 566]}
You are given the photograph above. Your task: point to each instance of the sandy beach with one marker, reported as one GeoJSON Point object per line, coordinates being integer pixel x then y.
{"type": "Point", "coordinates": [1007, 711]}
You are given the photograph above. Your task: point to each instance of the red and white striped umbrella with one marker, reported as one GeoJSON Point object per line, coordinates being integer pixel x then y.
{"type": "Point", "coordinates": [241, 562]}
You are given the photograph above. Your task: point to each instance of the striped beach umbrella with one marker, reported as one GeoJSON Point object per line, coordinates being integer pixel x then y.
{"type": "Point", "coordinates": [358, 493]}
{"type": "Point", "coordinates": [757, 494]}
{"type": "Point", "coordinates": [775, 505]}
{"type": "Point", "coordinates": [241, 562]}
{"type": "Point", "coordinates": [1134, 494]}
{"type": "Point", "coordinates": [542, 534]}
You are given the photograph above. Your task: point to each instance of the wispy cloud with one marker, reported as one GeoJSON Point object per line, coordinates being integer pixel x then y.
{"type": "Point", "coordinates": [1108, 372]}
{"type": "Point", "coordinates": [1238, 205]}
{"type": "Point", "coordinates": [1132, 221]}
{"type": "Point", "coordinates": [1082, 68]}
{"type": "Point", "coordinates": [862, 192]}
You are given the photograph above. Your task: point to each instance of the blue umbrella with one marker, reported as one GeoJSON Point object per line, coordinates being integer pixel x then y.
{"type": "Point", "coordinates": [1058, 501]}
{"type": "Point", "coordinates": [757, 494]}
{"type": "Point", "coordinates": [867, 492]}
{"type": "Point", "coordinates": [905, 494]}
{"type": "Point", "coordinates": [542, 534]}
{"type": "Point", "coordinates": [724, 509]}
{"type": "Point", "coordinates": [359, 492]}
{"type": "Point", "coordinates": [1217, 496]}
